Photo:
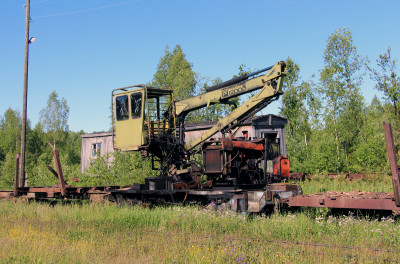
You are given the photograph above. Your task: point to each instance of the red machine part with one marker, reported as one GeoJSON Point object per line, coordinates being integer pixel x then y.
{"type": "Point", "coordinates": [248, 145]}
{"type": "Point", "coordinates": [282, 167]}
{"type": "Point", "coordinates": [249, 151]}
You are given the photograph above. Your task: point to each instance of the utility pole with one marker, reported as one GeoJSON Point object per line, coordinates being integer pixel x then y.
{"type": "Point", "coordinates": [25, 97]}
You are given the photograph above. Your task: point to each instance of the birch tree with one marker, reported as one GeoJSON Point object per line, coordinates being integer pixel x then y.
{"type": "Point", "coordinates": [340, 80]}
{"type": "Point", "coordinates": [387, 79]}
{"type": "Point", "coordinates": [54, 118]}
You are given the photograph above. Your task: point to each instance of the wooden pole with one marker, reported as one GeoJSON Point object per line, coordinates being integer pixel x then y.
{"type": "Point", "coordinates": [25, 97]}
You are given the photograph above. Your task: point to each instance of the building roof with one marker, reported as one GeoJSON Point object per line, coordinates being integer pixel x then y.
{"type": "Point", "coordinates": [96, 134]}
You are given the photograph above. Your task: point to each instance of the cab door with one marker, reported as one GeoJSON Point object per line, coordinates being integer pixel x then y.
{"type": "Point", "coordinates": [129, 116]}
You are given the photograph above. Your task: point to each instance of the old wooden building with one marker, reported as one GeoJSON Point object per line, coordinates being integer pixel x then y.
{"type": "Point", "coordinates": [256, 127]}
{"type": "Point", "coordinates": [93, 144]}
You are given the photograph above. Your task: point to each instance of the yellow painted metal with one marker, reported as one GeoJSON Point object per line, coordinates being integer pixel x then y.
{"type": "Point", "coordinates": [130, 134]}
{"type": "Point", "coordinates": [230, 91]}
{"type": "Point", "coordinates": [267, 92]}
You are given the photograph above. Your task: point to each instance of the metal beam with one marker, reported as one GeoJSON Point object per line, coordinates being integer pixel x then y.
{"type": "Point", "coordinates": [393, 162]}
{"type": "Point", "coordinates": [343, 202]}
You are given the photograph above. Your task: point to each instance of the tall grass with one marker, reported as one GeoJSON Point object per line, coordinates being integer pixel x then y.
{"type": "Point", "coordinates": [376, 183]}
{"type": "Point", "coordinates": [42, 233]}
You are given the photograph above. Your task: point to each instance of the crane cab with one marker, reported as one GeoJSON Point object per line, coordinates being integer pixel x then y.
{"type": "Point", "coordinates": [138, 113]}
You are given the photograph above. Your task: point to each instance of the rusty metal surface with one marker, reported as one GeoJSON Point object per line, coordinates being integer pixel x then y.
{"type": "Point", "coordinates": [52, 171]}
{"type": "Point", "coordinates": [256, 201]}
{"type": "Point", "coordinates": [283, 187]}
{"type": "Point", "coordinates": [59, 171]}
{"type": "Point", "coordinates": [6, 194]}
{"type": "Point", "coordinates": [393, 162]}
{"type": "Point", "coordinates": [239, 203]}
{"type": "Point", "coordinates": [298, 176]}
{"type": "Point", "coordinates": [45, 192]}
{"type": "Point", "coordinates": [213, 161]}
{"type": "Point", "coordinates": [248, 145]}
{"type": "Point", "coordinates": [346, 200]}
{"type": "Point", "coordinates": [354, 194]}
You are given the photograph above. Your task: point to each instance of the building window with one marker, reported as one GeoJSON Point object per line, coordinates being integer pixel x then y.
{"type": "Point", "coordinates": [96, 148]}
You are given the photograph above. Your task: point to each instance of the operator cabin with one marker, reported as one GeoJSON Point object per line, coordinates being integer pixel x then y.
{"type": "Point", "coordinates": [256, 127]}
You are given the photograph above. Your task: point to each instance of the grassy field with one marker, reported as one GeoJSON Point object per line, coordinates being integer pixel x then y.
{"type": "Point", "coordinates": [374, 183]}
{"type": "Point", "coordinates": [88, 233]}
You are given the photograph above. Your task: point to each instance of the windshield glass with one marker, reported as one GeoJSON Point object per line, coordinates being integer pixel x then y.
{"type": "Point", "coordinates": [136, 105]}
{"type": "Point", "coordinates": [121, 107]}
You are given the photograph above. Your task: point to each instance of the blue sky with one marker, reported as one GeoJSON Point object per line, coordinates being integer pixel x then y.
{"type": "Point", "coordinates": [87, 48]}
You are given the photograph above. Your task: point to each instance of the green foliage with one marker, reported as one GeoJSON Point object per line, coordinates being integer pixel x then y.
{"type": "Point", "coordinates": [370, 149]}
{"type": "Point", "coordinates": [348, 136]}
{"type": "Point", "coordinates": [98, 173]}
{"type": "Point", "coordinates": [38, 154]}
{"type": "Point", "coordinates": [176, 72]}
{"type": "Point", "coordinates": [117, 168]}
{"type": "Point", "coordinates": [10, 138]}
{"type": "Point", "coordinates": [7, 171]}
{"type": "Point", "coordinates": [54, 118]}
{"type": "Point", "coordinates": [339, 88]}
{"type": "Point", "coordinates": [323, 153]}
{"type": "Point", "coordinates": [387, 79]}
{"type": "Point", "coordinates": [10, 131]}
{"type": "Point", "coordinates": [380, 182]}
{"type": "Point", "coordinates": [298, 106]}
{"type": "Point", "coordinates": [35, 141]}
{"type": "Point", "coordinates": [72, 147]}
{"type": "Point", "coordinates": [40, 175]}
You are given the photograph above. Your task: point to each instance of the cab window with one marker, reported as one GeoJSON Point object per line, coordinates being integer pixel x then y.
{"type": "Point", "coordinates": [121, 107]}
{"type": "Point", "coordinates": [136, 105]}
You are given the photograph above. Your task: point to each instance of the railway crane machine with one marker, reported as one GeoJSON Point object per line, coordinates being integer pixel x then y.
{"type": "Point", "coordinates": [149, 120]}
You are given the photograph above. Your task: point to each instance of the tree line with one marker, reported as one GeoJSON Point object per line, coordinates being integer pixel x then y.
{"type": "Point", "coordinates": [52, 128]}
{"type": "Point", "coordinates": [331, 127]}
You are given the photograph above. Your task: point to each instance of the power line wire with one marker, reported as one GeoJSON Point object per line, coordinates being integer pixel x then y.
{"type": "Point", "coordinates": [86, 10]}
{"type": "Point", "coordinates": [39, 2]}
